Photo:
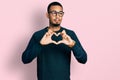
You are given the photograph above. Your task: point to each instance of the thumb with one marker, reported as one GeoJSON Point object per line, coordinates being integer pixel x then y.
{"type": "Point", "coordinates": [54, 42]}
{"type": "Point", "coordinates": [59, 42]}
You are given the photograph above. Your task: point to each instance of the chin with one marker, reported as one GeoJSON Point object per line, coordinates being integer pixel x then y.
{"type": "Point", "coordinates": [56, 25]}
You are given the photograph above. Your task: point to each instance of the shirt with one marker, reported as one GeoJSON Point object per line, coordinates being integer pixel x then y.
{"type": "Point", "coordinates": [53, 61]}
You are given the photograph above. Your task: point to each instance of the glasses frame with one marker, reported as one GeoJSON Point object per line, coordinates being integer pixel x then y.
{"type": "Point", "coordinates": [55, 13]}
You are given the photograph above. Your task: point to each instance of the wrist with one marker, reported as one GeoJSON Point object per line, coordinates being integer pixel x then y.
{"type": "Point", "coordinates": [72, 44]}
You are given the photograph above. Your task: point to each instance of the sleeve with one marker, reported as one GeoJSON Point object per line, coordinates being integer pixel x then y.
{"type": "Point", "coordinates": [78, 51]}
{"type": "Point", "coordinates": [31, 51]}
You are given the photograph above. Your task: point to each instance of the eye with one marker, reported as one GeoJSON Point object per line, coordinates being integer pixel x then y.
{"type": "Point", "coordinates": [53, 12]}
{"type": "Point", "coordinates": [61, 12]}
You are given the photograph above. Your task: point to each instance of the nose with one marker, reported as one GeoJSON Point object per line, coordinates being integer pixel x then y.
{"type": "Point", "coordinates": [57, 15]}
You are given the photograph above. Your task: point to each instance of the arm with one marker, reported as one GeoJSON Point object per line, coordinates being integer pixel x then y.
{"type": "Point", "coordinates": [31, 51]}
{"type": "Point", "coordinates": [78, 50]}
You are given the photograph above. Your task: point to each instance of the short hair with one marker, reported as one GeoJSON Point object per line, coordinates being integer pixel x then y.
{"type": "Point", "coordinates": [53, 4]}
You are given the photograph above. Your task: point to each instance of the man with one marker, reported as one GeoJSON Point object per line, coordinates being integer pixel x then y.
{"type": "Point", "coordinates": [52, 46]}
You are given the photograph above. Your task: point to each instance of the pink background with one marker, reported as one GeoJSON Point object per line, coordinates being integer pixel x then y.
{"type": "Point", "coordinates": [96, 22]}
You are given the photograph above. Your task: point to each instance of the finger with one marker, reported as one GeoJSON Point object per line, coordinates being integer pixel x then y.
{"type": "Point", "coordinates": [63, 32]}
{"type": "Point", "coordinates": [69, 38]}
{"type": "Point", "coordinates": [64, 35]}
{"type": "Point", "coordinates": [51, 34]}
{"type": "Point", "coordinates": [66, 38]}
{"type": "Point", "coordinates": [54, 42]}
{"type": "Point", "coordinates": [56, 34]}
{"type": "Point", "coordinates": [50, 31]}
{"type": "Point", "coordinates": [59, 42]}
{"type": "Point", "coordinates": [47, 34]}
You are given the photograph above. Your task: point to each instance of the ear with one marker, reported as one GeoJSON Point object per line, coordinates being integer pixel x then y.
{"type": "Point", "coordinates": [47, 15]}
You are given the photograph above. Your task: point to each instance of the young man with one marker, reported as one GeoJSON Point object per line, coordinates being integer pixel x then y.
{"type": "Point", "coordinates": [52, 46]}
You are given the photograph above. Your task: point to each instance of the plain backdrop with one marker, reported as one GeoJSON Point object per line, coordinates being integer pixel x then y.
{"type": "Point", "coordinates": [96, 23]}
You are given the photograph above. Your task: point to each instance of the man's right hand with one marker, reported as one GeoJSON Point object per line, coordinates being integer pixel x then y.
{"type": "Point", "coordinates": [47, 38]}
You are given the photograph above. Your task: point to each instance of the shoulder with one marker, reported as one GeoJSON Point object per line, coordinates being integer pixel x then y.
{"type": "Point", "coordinates": [38, 34]}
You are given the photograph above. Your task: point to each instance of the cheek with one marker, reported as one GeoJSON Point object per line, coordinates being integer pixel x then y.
{"type": "Point", "coordinates": [52, 18]}
{"type": "Point", "coordinates": [60, 19]}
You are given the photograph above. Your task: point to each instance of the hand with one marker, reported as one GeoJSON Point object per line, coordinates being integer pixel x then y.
{"type": "Point", "coordinates": [47, 38]}
{"type": "Point", "coordinates": [66, 39]}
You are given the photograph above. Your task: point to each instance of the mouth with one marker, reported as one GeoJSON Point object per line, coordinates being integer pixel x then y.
{"type": "Point", "coordinates": [57, 20]}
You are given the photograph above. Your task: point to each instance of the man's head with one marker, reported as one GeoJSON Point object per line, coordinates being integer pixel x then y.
{"type": "Point", "coordinates": [55, 14]}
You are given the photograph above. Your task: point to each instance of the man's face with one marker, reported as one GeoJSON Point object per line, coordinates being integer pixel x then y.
{"type": "Point", "coordinates": [55, 15]}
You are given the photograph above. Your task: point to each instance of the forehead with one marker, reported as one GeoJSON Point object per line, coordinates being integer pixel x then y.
{"type": "Point", "coordinates": [56, 8]}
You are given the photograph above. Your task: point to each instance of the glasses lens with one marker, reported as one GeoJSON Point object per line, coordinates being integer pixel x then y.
{"type": "Point", "coordinates": [55, 13]}
{"type": "Point", "coordinates": [61, 13]}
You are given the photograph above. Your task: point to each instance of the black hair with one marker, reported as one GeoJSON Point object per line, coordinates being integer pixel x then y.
{"type": "Point", "coordinates": [53, 4]}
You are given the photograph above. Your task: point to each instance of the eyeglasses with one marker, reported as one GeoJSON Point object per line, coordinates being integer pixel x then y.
{"type": "Point", "coordinates": [55, 13]}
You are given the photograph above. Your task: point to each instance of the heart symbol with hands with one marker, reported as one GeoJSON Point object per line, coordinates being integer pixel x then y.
{"type": "Point", "coordinates": [66, 39]}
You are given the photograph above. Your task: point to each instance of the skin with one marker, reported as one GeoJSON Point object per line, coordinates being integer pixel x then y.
{"type": "Point", "coordinates": [54, 19]}
{"type": "Point", "coordinates": [66, 39]}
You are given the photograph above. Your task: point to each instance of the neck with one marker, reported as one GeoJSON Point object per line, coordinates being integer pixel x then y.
{"type": "Point", "coordinates": [54, 28]}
